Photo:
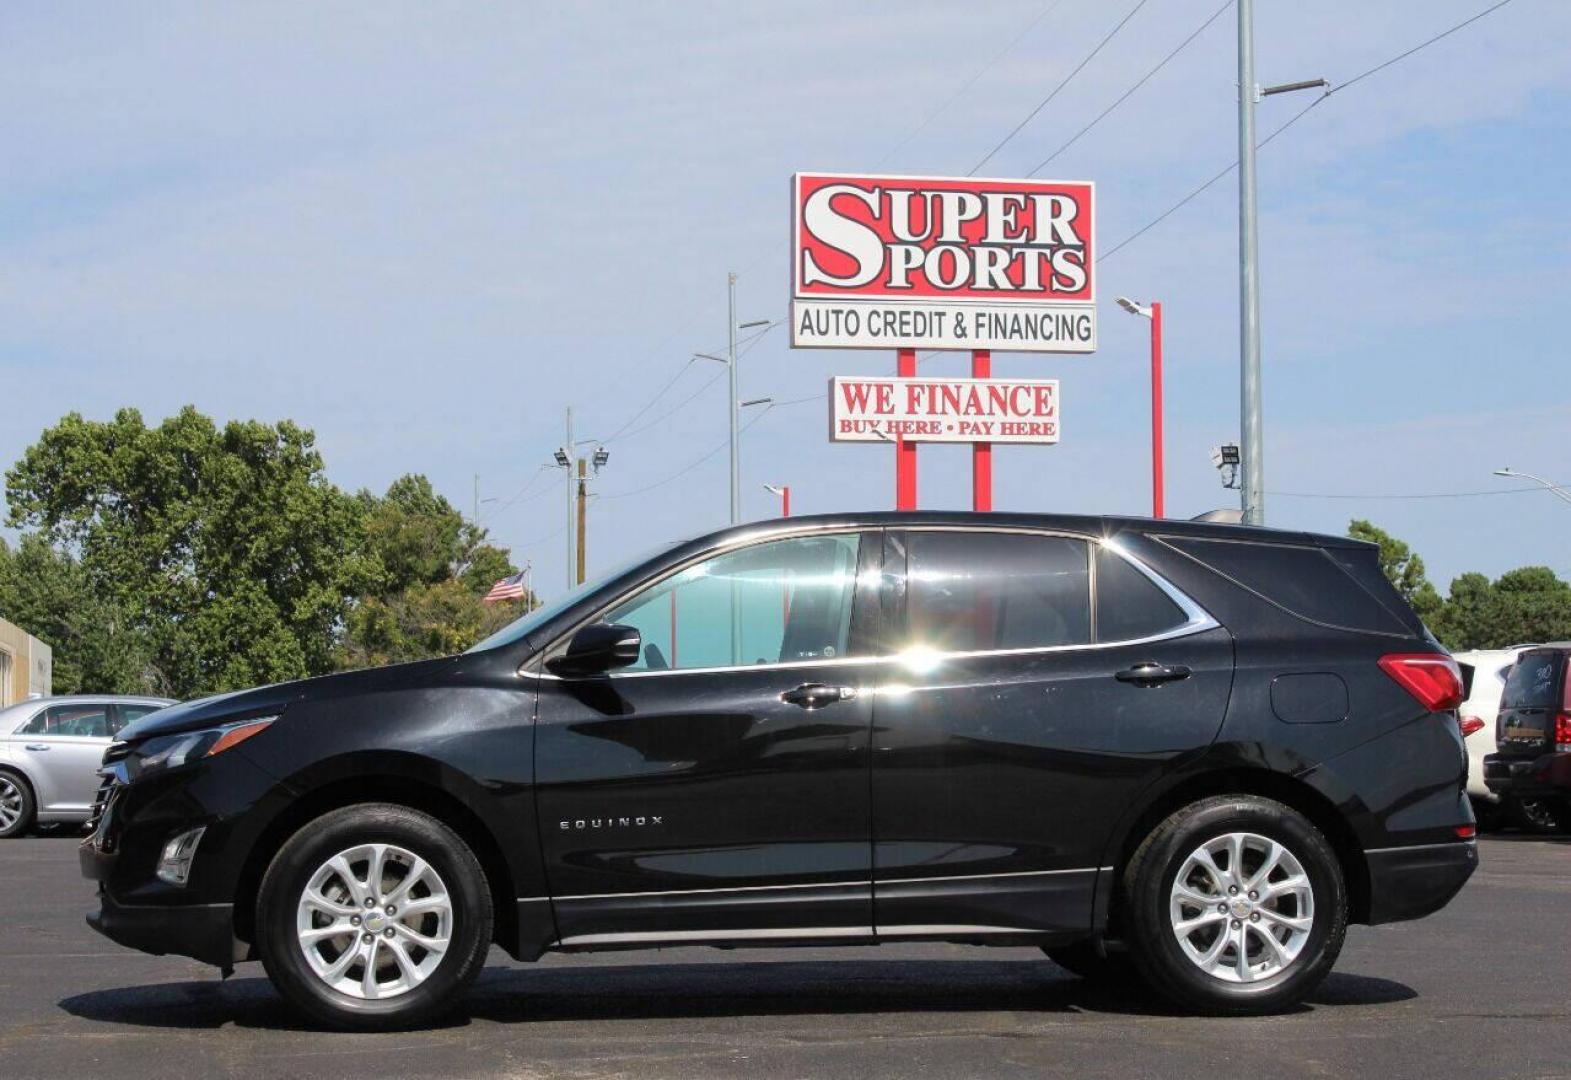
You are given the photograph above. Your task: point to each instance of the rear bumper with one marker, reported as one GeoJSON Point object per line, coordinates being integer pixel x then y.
{"type": "Point", "coordinates": [1411, 882]}
{"type": "Point", "coordinates": [1545, 776]}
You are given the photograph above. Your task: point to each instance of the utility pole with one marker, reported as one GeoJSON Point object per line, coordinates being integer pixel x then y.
{"type": "Point", "coordinates": [736, 450]}
{"type": "Point", "coordinates": [583, 498]}
{"type": "Point", "coordinates": [564, 458]}
{"type": "Point", "coordinates": [1250, 423]}
{"type": "Point", "coordinates": [474, 517]}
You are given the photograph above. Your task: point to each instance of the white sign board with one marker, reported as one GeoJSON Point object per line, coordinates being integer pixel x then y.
{"type": "Point", "coordinates": [901, 262]}
{"type": "Point", "coordinates": [943, 410]}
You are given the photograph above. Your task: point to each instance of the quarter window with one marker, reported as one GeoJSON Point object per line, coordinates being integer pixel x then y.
{"type": "Point", "coordinates": [1130, 605]}
{"type": "Point", "coordinates": [783, 601]}
{"type": "Point", "coordinates": [972, 591]}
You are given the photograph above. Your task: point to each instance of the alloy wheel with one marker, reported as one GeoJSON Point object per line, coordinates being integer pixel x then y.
{"type": "Point", "coordinates": [374, 921]}
{"type": "Point", "coordinates": [11, 802]}
{"type": "Point", "coordinates": [1242, 907]}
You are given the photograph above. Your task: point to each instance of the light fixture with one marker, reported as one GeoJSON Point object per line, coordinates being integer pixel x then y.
{"type": "Point", "coordinates": [756, 401]}
{"type": "Point", "coordinates": [1134, 307]}
{"type": "Point", "coordinates": [750, 325]}
{"type": "Point", "coordinates": [602, 455]}
{"type": "Point", "coordinates": [562, 461]}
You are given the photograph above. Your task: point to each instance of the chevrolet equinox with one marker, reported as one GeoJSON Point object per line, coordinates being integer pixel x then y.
{"type": "Point", "coordinates": [1187, 752]}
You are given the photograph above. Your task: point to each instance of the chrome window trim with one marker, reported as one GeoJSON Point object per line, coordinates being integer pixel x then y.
{"type": "Point", "coordinates": [1196, 618]}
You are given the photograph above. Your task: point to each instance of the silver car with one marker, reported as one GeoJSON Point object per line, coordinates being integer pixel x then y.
{"type": "Point", "coordinates": [50, 751]}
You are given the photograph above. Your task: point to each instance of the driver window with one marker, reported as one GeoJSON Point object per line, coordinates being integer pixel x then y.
{"type": "Point", "coordinates": [779, 602]}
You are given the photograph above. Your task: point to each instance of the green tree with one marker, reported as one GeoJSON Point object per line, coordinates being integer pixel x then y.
{"type": "Point", "coordinates": [1402, 567]}
{"type": "Point", "coordinates": [227, 550]}
{"type": "Point", "coordinates": [430, 572]}
{"type": "Point", "coordinates": [96, 649]}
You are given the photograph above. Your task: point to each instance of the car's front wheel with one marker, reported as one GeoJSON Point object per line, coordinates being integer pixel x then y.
{"type": "Point", "coordinates": [374, 916]}
{"type": "Point", "coordinates": [1235, 904]}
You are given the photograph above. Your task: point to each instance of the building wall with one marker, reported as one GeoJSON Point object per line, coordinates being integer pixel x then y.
{"type": "Point", "coordinates": [26, 665]}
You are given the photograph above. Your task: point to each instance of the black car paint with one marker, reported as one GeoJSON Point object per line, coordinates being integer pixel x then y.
{"type": "Point", "coordinates": [624, 811]}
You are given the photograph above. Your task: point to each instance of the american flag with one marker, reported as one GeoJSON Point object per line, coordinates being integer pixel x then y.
{"type": "Point", "coordinates": [508, 588]}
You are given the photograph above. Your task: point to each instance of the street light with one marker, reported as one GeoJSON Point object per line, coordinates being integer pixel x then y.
{"type": "Point", "coordinates": [1558, 491]}
{"type": "Point", "coordinates": [1153, 312]}
{"type": "Point", "coordinates": [784, 491]}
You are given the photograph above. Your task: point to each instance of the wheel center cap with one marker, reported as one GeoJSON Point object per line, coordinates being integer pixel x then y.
{"type": "Point", "coordinates": [374, 921]}
{"type": "Point", "coordinates": [1241, 907]}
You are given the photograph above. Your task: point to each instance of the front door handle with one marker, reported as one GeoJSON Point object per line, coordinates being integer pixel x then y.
{"type": "Point", "coordinates": [1151, 673]}
{"type": "Point", "coordinates": [37, 746]}
{"type": "Point", "coordinates": [817, 695]}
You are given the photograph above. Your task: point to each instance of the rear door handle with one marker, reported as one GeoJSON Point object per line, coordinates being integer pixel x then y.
{"type": "Point", "coordinates": [817, 695]}
{"type": "Point", "coordinates": [37, 746]}
{"type": "Point", "coordinates": [1151, 673]}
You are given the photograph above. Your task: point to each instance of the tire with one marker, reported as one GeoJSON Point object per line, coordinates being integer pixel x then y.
{"type": "Point", "coordinates": [17, 807]}
{"type": "Point", "coordinates": [1542, 817]}
{"type": "Point", "coordinates": [405, 984]}
{"type": "Point", "coordinates": [1083, 960]}
{"type": "Point", "coordinates": [1308, 920]}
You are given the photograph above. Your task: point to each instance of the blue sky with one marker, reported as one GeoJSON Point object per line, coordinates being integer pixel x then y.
{"type": "Point", "coordinates": [425, 229]}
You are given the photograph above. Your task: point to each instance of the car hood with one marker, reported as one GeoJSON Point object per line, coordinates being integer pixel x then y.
{"type": "Point", "coordinates": [269, 700]}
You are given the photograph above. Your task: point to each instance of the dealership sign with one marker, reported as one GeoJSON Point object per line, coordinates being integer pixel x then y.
{"type": "Point", "coordinates": [884, 262]}
{"type": "Point", "coordinates": [943, 410]}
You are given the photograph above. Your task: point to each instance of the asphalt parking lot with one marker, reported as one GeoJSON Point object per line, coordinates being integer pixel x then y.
{"type": "Point", "coordinates": [1482, 989]}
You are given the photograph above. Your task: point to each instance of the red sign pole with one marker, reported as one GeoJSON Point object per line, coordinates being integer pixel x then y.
{"type": "Point", "coordinates": [905, 449]}
{"type": "Point", "coordinates": [981, 452]}
{"type": "Point", "coordinates": [1156, 409]}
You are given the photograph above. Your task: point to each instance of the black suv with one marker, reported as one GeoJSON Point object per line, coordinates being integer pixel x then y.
{"type": "Point", "coordinates": [1194, 750]}
{"type": "Point", "coordinates": [1532, 762]}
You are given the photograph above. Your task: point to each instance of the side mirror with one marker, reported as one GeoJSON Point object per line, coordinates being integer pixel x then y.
{"type": "Point", "coordinates": [598, 648]}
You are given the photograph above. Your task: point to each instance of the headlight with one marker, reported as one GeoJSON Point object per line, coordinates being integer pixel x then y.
{"type": "Point", "coordinates": [172, 751]}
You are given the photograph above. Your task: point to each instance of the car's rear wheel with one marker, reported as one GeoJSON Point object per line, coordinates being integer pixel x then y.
{"type": "Point", "coordinates": [16, 805]}
{"type": "Point", "coordinates": [1235, 904]}
{"type": "Point", "coordinates": [374, 916]}
{"type": "Point", "coordinates": [1545, 817]}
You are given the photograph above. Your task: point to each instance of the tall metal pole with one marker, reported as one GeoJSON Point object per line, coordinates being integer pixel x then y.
{"type": "Point", "coordinates": [571, 508]}
{"type": "Point", "coordinates": [1158, 486]}
{"type": "Point", "coordinates": [1251, 427]}
{"type": "Point", "coordinates": [736, 459]}
{"type": "Point", "coordinates": [583, 499]}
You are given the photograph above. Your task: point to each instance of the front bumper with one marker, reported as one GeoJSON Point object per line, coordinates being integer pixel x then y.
{"type": "Point", "coordinates": [1544, 777]}
{"type": "Point", "coordinates": [203, 932]}
{"type": "Point", "coordinates": [1411, 882]}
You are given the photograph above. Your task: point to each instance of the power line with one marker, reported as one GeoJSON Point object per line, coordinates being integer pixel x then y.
{"type": "Point", "coordinates": [958, 94]}
{"type": "Point", "coordinates": [1127, 93]}
{"type": "Point", "coordinates": [1423, 495]}
{"type": "Point", "coordinates": [686, 468]}
{"type": "Point", "coordinates": [525, 487]}
{"type": "Point", "coordinates": [1164, 215]}
{"type": "Point", "coordinates": [1054, 93]}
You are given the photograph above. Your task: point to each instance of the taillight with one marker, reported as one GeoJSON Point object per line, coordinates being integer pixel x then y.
{"type": "Point", "coordinates": [1432, 678]}
{"type": "Point", "coordinates": [1469, 725]}
{"type": "Point", "coordinates": [1563, 732]}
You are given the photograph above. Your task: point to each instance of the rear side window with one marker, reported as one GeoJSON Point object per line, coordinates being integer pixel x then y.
{"type": "Point", "coordinates": [1304, 580]}
{"type": "Point", "coordinates": [1130, 605]}
{"type": "Point", "coordinates": [978, 591]}
{"type": "Point", "coordinates": [1532, 681]}
{"type": "Point", "coordinates": [88, 720]}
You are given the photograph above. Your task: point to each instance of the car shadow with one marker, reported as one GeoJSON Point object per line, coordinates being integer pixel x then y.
{"type": "Point", "coordinates": [704, 990]}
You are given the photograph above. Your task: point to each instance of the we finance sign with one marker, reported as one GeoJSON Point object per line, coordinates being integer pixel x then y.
{"type": "Point", "coordinates": [885, 262]}
{"type": "Point", "coordinates": [943, 410]}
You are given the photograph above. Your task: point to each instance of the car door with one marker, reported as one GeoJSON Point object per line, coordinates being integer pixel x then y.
{"type": "Point", "coordinates": [64, 746]}
{"type": "Point", "coordinates": [717, 788]}
{"type": "Point", "coordinates": [1047, 680]}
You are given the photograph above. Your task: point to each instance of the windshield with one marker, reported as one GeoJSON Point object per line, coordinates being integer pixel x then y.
{"type": "Point", "coordinates": [520, 628]}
